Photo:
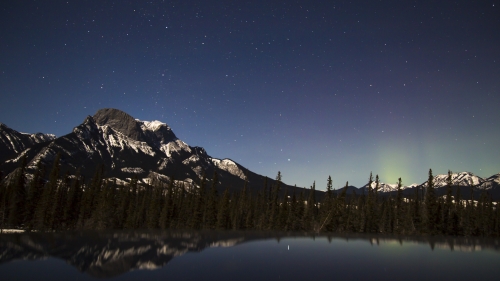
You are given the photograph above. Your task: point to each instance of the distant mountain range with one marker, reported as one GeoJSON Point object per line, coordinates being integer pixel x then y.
{"type": "Point", "coordinates": [128, 148]}
{"type": "Point", "coordinates": [464, 179]}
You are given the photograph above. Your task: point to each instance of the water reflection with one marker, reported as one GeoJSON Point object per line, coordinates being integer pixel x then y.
{"type": "Point", "coordinates": [111, 254]}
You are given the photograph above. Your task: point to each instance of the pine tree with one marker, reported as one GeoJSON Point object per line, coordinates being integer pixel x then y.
{"type": "Point", "coordinates": [300, 213]}
{"type": "Point", "coordinates": [352, 217]}
{"type": "Point", "coordinates": [243, 207]}
{"type": "Point", "coordinates": [182, 205]}
{"type": "Point", "coordinates": [44, 209]}
{"type": "Point", "coordinates": [124, 195]}
{"type": "Point", "coordinates": [369, 215]}
{"type": "Point", "coordinates": [166, 214]}
{"type": "Point", "coordinates": [132, 205]}
{"type": "Point", "coordinates": [458, 220]}
{"type": "Point", "coordinates": [60, 197]}
{"type": "Point", "coordinates": [196, 219]}
{"type": "Point", "coordinates": [329, 186]}
{"type": "Point", "coordinates": [343, 207]}
{"type": "Point", "coordinates": [89, 198]}
{"type": "Point", "coordinates": [292, 218]}
{"type": "Point", "coordinates": [398, 224]}
{"type": "Point", "coordinates": [409, 219]}
{"type": "Point", "coordinates": [72, 205]}
{"type": "Point", "coordinates": [223, 211]}
{"type": "Point", "coordinates": [141, 211]}
{"type": "Point", "coordinates": [274, 208]}
{"type": "Point", "coordinates": [263, 208]}
{"type": "Point", "coordinates": [283, 212]}
{"type": "Point", "coordinates": [101, 216]}
{"type": "Point", "coordinates": [250, 214]}
{"type": "Point", "coordinates": [375, 210]}
{"type": "Point", "coordinates": [34, 194]}
{"type": "Point", "coordinates": [430, 206]}
{"type": "Point", "coordinates": [154, 210]}
{"type": "Point", "coordinates": [326, 207]}
{"type": "Point", "coordinates": [308, 219]}
{"type": "Point", "coordinates": [17, 211]}
{"type": "Point", "coordinates": [448, 207]}
{"type": "Point", "coordinates": [211, 207]}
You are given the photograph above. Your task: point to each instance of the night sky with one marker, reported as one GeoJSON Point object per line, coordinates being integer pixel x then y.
{"type": "Point", "coordinates": [308, 88]}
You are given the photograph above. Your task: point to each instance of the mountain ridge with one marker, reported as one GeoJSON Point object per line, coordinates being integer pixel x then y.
{"type": "Point", "coordinates": [128, 148]}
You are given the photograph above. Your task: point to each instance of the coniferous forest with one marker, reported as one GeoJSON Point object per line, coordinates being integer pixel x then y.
{"type": "Point", "coordinates": [69, 202]}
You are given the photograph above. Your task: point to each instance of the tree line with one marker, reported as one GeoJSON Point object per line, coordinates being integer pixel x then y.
{"type": "Point", "coordinates": [68, 202]}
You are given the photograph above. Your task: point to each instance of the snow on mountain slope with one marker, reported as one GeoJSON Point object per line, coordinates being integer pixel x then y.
{"type": "Point", "coordinates": [13, 142]}
{"type": "Point", "coordinates": [127, 148]}
{"type": "Point", "coordinates": [40, 137]}
{"type": "Point", "coordinates": [386, 187]}
{"type": "Point", "coordinates": [174, 146]}
{"type": "Point", "coordinates": [494, 179]}
{"type": "Point", "coordinates": [229, 166]}
{"type": "Point", "coordinates": [491, 182]}
{"type": "Point", "coordinates": [151, 125]}
{"type": "Point", "coordinates": [118, 140]}
{"type": "Point", "coordinates": [458, 179]}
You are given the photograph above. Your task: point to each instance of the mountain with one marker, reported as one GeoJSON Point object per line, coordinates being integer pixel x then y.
{"type": "Point", "coordinates": [492, 182]}
{"type": "Point", "coordinates": [13, 142]}
{"type": "Point", "coordinates": [127, 148]}
{"type": "Point", "coordinates": [457, 179]}
{"type": "Point", "coordinates": [466, 181]}
{"type": "Point", "coordinates": [385, 187]}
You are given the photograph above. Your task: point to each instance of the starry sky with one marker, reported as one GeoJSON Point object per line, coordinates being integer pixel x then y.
{"type": "Point", "coordinates": [308, 88]}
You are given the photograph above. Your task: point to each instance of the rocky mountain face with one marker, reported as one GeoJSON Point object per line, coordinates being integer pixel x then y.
{"type": "Point", "coordinates": [13, 142]}
{"type": "Point", "coordinates": [127, 148]}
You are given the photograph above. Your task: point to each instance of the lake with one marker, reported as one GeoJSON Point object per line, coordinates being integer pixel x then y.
{"type": "Point", "coordinates": [178, 255]}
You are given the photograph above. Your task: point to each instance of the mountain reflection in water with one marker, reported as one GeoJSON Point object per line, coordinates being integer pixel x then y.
{"type": "Point", "coordinates": [110, 254]}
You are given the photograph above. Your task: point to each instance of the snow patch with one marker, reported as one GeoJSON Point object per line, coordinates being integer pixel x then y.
{"type": "Point", "coordinates": [229, 166]}
{"type": "Point", "coordinates": [151, 125]}
{"type": "Point", "coordinates": [130, 170]}
{"type": "Point", "coordinates": [15, 160]}
{"type": "Point", "coordinates": [117, 139]}
{"type": "Point", "coordinates": [191, 159]}
{"type": "Point", "coordinates": [174, 146]}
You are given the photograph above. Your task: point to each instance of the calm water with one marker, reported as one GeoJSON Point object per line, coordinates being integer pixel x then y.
{"type": "Point", "coordinates": [243, 256]}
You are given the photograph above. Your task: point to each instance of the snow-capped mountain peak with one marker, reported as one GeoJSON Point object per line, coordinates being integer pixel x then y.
{"type": "Point", "coordinates": [457, 179]}
{"type": "Point", "coordinates": [127, 147]}
{"type": "Point", "coordinates": [152, 125]}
